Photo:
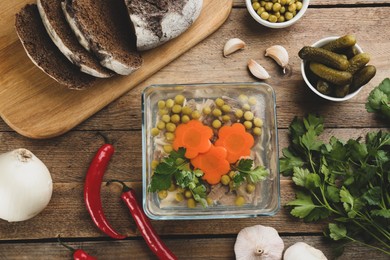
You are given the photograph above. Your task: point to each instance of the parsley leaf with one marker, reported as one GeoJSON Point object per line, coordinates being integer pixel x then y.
{"type": "Point", "coordinates": [246, 173]}
{"type": "Point", "coordinates": [337, 232]}
{"type": "Point", "coordinates": [289, 161]}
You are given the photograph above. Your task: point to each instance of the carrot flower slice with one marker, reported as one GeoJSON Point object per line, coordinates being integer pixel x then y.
{"type": "Point", "coordinates": [236, 140]}
{"type": "Point", "coordinates": [194, 136]}
{"type": "Point", "coordinates": [213, 164]}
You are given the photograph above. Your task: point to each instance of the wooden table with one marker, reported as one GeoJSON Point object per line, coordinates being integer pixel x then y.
{"type": "Point", "coordinates": [68, 156]}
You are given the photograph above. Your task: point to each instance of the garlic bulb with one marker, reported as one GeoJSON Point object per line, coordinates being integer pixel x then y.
{"type": "Point", "coordinates": [301, 250]}
{"type": "Point", "coordinates": [25, 185]}
{"type": "Point", "coordinates": [258, 242]}
{"type": "Point", "coordinates": [279, 54]}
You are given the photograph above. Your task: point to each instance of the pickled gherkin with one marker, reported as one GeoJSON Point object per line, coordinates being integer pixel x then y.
{"type": "Point", "coordinates": [324, 87]}
{"type": "Point", "coordinates": [363, 76]}
{"type": "Point", "coordinates": [341, 43]}
{"type": "Point", "coordinates": [357, 62]}
{"type": "Point", "coordinates": [323, 56]}
{"type": "Point", "coordinates": [336, 77]}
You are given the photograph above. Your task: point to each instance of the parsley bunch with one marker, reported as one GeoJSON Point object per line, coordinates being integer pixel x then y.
{"type": "Point", "coordinates": [379, 99]}
{"type": "Point", "coordinates": [346, 182]}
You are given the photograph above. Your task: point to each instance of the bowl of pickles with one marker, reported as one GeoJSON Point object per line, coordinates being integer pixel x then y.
{"type": "Point", "coordinates": [336, 68]}
{"type": "Point", "coordinates": [210, 151]}
{"type": "Point", "coordinates": [277, 14]}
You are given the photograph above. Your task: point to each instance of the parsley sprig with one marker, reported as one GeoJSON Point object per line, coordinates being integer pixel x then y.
{"type": "Point", "coordinates": [246, 173]}
{"type": "Point", "coordinates": [347, 182]}
{"type": "Point", "coordinates": [177, 167]}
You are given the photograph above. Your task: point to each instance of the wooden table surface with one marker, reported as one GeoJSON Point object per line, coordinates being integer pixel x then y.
{"type": "Point", "coordinates": [68, 156]}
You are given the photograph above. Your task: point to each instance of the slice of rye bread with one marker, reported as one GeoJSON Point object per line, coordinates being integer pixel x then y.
{"type": "Point", "coordinates": [103, 27]}
{"type": "Point", "coordinates": [44, 53]}
{"type": "Point", "coordinates": [158, 21]}
{"type": "Point", "coordinates": [62, 35]}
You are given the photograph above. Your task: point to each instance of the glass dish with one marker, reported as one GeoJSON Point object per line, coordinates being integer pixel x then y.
{"type": "Point", "coordinates": [266, 200]}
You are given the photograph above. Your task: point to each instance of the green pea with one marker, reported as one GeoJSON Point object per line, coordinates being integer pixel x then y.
{"type": "Point", "coordinates": [256, 5]}
{"type": "Point", "coordinates": [219, 102]}
{"type": "Point", "coordinates": [291, 8]}
{"type": "Point", "coordinates": [216, 124]}
{"type": "Point", "coordinates": [161, 104]}
{"type": "Point", "coordinates": [299, 5]}
{"type": "Point", "coordinates": [268, 6]}
{"type": "Point", "coordinates": [258, 122]}
{"type": "Point", "coordinates": [191, 203]}
{"type": "Point", "coordinates": [170, 136]}
{"type": "Point", "coordinates": [250, 188]}
{"type": "Point", "coordinates": [288, 16]}
{"type": "Point", "coordinates": [166, 118]}
{"type": "Point", "coordinates": [179, 99]}
{"type": "Point", "coordinates": [264, 15]}
{"type": "Point", "coordinates": [168, 148]}
{"type": "Point", "coordinates": [248, 115]}
{"type": "Point", "coordinates": [169, 103]}
{"type": "Point", "coordinates": [272, 18]}
{"type": "Point", "coordinates": [175, 118]}
{"type": "Point", "coordinates": [179, 197]}
{"type": "Point", "coordinates": [162, 194]}
{"type": "Point", "coordinates": [248, 124]}
{"type": "Point", "coordinates": [260, 10]}
{"type": "Point", "coordinates": [257, 131]}
{"type": "Point", "coordinates": [239, 113]}
{"type": "Point", "coordinates": [206, 110]}
{"type": "Point", "coordinates": [176, 109]}
{"type": "Point", "coordinates": [240, 201]}
{"type": "Point", "coordinates": [160, 125]}
{"type": "Point", "coordinates": [217, 112]}
{"type": "Point", "coordinates": [195, 114]}
{"type": "Point", "coordinates": [281, 19]}
{"type": "Point", "coordinates": [225, 179]}
{"type": "Point", "coordinates": [170, 127]}
{"type": "Point", "coordinates": [154, 164]}
{"type": "Point", "coordinates": [185, 119]}
{"type": "Point", "coordinates": [276, 7]}
{"type": "Point", "coordinates": [155, 131]}
{"type": "Point", "coordinates": [225, 118]}
{"type": "Point", "coordinates": [226, 108]}
{"type": "Point", "coordinates": [186, 110]}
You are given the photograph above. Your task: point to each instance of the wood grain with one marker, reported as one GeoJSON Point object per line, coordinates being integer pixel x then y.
{"type": "Point", "coordinates": [53, 109]}
{"type": "Point", "coordinates": [195, 248]}
{"type": "Point", "coordinates": [68, 155]}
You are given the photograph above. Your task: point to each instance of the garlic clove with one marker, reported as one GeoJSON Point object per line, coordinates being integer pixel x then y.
{"type": "Point", "coordinates": [257, 70]}
{"type": "Point", "coordinates": [279, 54]}
{"type": "Point", "coordinates": [233, 45]}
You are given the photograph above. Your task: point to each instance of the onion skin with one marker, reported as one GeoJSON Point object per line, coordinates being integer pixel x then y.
{"type": "Point", "coordinates": [25, 185]}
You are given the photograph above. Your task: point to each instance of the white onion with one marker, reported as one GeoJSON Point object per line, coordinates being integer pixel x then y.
{"type": "Point", "coordinates": [25, 185]}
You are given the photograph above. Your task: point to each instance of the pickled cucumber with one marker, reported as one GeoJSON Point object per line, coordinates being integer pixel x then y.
{"type": "Point", "coordinates": [341, 91]}
{"type": "Point", "coordinates": [324, 87]}
{"type": "Point", "coordinates": [340, 43]}
{"type": "Point", "coordinates": [336, 77]}
{"type": "Point", "coordinates": [357, 62]}
{"type": "Point", "coordinates": [363, 76]}
{"type": "Point", "coordinates": [323, 56]}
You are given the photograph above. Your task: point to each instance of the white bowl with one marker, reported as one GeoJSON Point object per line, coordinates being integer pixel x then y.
{"type": "Point", "coordinates": [253, 13]}
{"type": "Point", "coordinates": [320, 43]}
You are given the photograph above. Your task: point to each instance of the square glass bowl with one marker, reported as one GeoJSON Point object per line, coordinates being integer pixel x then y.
{"type": "Point", "coordinates": [265, 200]}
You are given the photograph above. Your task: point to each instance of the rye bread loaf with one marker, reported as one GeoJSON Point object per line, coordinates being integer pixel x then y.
{"type": "Point", "coordinates": [158, 21]}
{"type": "Point", "coordinates": [63, 37]}
{"type": "Point", "coordinates": [44, 53]}
{"type": "Point", "coordinates": [103, 27]}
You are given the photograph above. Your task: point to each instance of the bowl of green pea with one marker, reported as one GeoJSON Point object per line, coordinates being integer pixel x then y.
{"type": "Point", "coordinates": [277, 13]}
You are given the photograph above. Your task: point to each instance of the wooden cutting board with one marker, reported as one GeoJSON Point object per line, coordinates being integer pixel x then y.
{"type": "Point", "coordinates": [36, 106]}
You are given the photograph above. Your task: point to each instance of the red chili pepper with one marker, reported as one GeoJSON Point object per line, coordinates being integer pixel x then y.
{"type": "Point", "coordinates": [78, 254]}
{"type": "Point", "coordinates": [92, 190]}
{"type": "Point", "coordinates": [152, 239]}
